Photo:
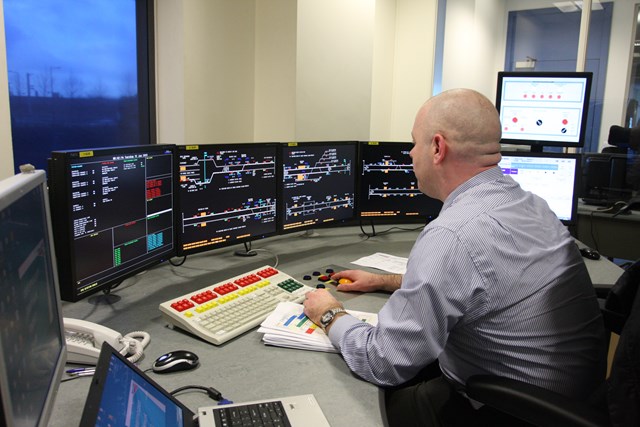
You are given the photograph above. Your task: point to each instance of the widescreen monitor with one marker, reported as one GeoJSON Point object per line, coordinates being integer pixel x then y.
{"type": "Point", "coordinates": [114, 213]}
{"type": "Point", "coordinates": [552, 176]}
{"type": "Point", "coordinates": [317, 181]}
{"type": "Point", "coordinates": [32, 343]}
{"type": "Point", "coordinates": [543, 108]}
{"type": "Point", "coordinates": [388, 188]}
{"type": "Point", "coordinates": [227, 195]}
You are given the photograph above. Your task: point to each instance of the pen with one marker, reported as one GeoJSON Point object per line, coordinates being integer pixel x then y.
{"type": "Point", "coordinates": [78, 370]}
{"type": "Point", "coordinates": [83, 373]}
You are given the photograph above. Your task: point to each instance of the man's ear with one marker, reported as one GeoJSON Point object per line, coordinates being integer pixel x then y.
{"type": "Point", "coordinates": [439, 147]}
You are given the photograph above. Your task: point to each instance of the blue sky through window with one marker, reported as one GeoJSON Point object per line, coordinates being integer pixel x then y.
{"type": "Point", "coordinates": [73, 76]}
{"type": "Point", "coordinates": [87, 48]}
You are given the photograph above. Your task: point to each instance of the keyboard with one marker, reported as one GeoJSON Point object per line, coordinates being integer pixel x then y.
{"type": "Point", "coordinates": [224, 310]}
{"type": "Point", "coordinates": [259, 414]}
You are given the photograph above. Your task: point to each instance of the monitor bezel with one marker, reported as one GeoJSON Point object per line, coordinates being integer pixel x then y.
{"type": "Point", "coordinates": [306, 228]}
{"type": "Point", "coordinates": [539, 144]}
{"type": "Point", "coordinates": [576, 179]}
{"type": "Point", "coordinates": [60, 199]}
{"type": "Point", "coordinates": [241, 240]}
{"type": "Point", "coordinates": [386, 219]}
{"type": "Point", "coordinates": [11, 189]}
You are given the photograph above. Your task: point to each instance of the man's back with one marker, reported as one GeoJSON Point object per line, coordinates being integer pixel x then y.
{"type": "Point", "coordinates": [532, 312]}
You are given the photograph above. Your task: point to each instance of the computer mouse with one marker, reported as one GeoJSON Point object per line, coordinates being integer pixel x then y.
{"type": "Point", "coordinates": [589, 253]}
{"type": "Point", "coordinates": [179, 360]}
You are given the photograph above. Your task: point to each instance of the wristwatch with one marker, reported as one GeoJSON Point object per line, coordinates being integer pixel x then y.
{"type": "Point", "coordinates": [329, 315]}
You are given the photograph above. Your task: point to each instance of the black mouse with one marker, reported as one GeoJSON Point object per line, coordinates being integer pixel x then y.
{"type": "Point", "coordinates": [589, 253]}
{"type": "Point", "coordinates": [179, 360]}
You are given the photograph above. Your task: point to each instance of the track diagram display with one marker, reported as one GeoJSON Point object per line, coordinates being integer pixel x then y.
{"type": "Point", "coordinates": [318, 184]}
{"type": "Point", "coordinates": [227, 194]}
{"type": "Point", "coordinates": [388, 187]}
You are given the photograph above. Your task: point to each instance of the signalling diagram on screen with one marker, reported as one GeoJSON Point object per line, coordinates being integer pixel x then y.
{"type": "Point", "coordinates": [317, 184]}
{"type": "Point", "coordinates": [226, 194]}
{"type": "Point", "coordinates": [542, 109]}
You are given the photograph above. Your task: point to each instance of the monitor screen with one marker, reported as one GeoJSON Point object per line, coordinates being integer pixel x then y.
{"type": "Point", "coordinates": [113, 211]}
{"type": "Point", "coordinates": [388, 188]}
{"type": "Point", "coordinates": [317, 184]}
{"type": "Point", "coordinates": [32, 343]}
{"type": "Point", "coordinates": [227, 194]}
{"type": "Point", "coordinates": [543, 108]}
{"type": "Point", "coordinates": [552, 176]}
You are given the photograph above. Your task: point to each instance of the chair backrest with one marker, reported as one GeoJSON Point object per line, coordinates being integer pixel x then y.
{"type": "Point", "coordinates": [623, 386]}
{"type": "Point", "coordinates": [621, 297]}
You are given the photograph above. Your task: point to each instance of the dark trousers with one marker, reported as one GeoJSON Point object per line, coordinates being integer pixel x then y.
{"type": "Point", "coordinates": [430, 400]}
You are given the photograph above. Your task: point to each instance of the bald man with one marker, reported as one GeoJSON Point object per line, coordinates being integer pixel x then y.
{"type": "Point", "coordinates": [494, 285]}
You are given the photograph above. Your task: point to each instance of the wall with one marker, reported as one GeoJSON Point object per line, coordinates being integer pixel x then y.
{"type": "Point", "coordinates": [474, 44]}
{"type": "Point", "coordinates": [275, 76]}
{"type": "Point", "coordinates": [170, 108]}
{"type": "Point", "coordinates": [289, 70]}
{"type": "Point", "coordinates": [619, 63]}
{"type": "Point", "coordinates": [6, 148]}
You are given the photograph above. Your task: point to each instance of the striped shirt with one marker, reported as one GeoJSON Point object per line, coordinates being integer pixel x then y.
{"type": "Point", "coordinates": [494, 285]}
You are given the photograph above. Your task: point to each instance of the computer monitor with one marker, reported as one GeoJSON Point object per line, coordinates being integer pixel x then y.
{"type": "Point", "coordinates": [32, 343]}
{"type": "Point", "coordinates": [606, 178]}
{"type": "Point", "coordinates": [113, 211]}
{"type": "Point", "coordinates": [552, 176]}
{"type": "Point", "coordinates": [317, 184]}
{"type": "Point", "coordinates": [543, 108]}
{"type": "Point", "coordinates": [227, 195]}
{"type": "Point", "coordinates": [387, 187]}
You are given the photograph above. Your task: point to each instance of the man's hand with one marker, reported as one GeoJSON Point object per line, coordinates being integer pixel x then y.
{"type": "Point", "coordinates": [318, 302]}
{"type": "Point", "coordinates": [363, 281]}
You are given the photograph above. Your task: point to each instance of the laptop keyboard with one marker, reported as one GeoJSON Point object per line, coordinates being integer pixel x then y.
{"type": "Point", "coordinates": [252, 415]}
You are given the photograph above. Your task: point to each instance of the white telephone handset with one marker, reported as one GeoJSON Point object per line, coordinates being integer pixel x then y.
{"type": "Point", "coordinates": [84, 340]}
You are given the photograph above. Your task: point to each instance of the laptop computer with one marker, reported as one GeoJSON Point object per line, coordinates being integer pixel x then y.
{"type": "Point", "coordinates": [122, 395]}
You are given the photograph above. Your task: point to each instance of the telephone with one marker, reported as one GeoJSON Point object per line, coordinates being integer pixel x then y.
{"type": "Point", "coordinates": [84, 340]}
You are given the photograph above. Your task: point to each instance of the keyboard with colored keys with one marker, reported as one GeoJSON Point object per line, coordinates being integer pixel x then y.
{"type": "Point", "coordinates": [229, 308]}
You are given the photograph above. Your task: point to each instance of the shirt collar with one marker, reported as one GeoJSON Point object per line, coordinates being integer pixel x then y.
{"type": "Point", "coordinates": [489, 175]}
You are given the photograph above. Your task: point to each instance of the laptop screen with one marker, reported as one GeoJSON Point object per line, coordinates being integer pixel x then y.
{"type": "Point", "coordinates": [122, 395]}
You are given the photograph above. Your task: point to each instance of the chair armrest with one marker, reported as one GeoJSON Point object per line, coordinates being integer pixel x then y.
{"type": "Point", "coordinates": [533, 404]}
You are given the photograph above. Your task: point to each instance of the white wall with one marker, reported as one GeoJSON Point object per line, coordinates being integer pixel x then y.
{"type": "Point", "coordinates": [300, 70]}
{"type": "Point", "coordinates": [333, 74]}
{"type": "Point", "coordinates": [413, 63]}
{"type": "Point", "coordinates": [6, 147]}
{"type": "Point", "coordinates": [219, 68]}
{"type": "Point", "coordinates": [275, 76]}
{"type": "Point", "coordinates": [474, 45]}
{"type": "Point", "coordinates": [169, 40]}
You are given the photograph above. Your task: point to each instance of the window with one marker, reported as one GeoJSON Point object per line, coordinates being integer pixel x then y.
{"type": "Point", "coordinates": [79, 75]}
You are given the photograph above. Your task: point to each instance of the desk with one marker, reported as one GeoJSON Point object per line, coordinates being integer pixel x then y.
{"type": "Point", "coordinates": [613, 237]}
{"type": "Point", "coordinates": [244, 368]}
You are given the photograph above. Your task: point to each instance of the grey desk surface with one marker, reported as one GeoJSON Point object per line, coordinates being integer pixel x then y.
{"type": "Point", "coordinates": [244, 368]}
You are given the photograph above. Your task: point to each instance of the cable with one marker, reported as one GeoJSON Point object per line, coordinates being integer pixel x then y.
{"type": "Point", "coordinates": [133, 347]}
{"type": "Point", "coordinates": [184, 258]}
{"type": "Point", "coordinates": [275, 255]}
{"type": "Point", "coordinates": [211, 392]}
{"type": "Point", "coordinates": [389, 229]}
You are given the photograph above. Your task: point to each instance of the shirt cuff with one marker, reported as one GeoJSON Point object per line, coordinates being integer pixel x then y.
{"type": "Point", "coordinates": [339, 327]}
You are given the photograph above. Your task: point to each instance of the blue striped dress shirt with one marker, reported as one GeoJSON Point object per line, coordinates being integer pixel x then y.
{"type": "Point", "coordinates": [494, 285]}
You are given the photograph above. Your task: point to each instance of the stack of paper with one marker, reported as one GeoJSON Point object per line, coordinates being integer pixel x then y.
{"type": "Point", "coordinates": [288, 326]}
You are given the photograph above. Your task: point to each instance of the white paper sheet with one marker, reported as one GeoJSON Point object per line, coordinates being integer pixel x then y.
{"type": "Point", "coordinates": [381, 261]}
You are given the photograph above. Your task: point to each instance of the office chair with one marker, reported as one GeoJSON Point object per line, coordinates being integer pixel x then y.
{"type": "Point", "coordinates": [617, 401]}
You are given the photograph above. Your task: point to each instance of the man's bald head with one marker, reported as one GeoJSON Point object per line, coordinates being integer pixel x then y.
{"type": "Point", "coordinates": [468, 120]}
